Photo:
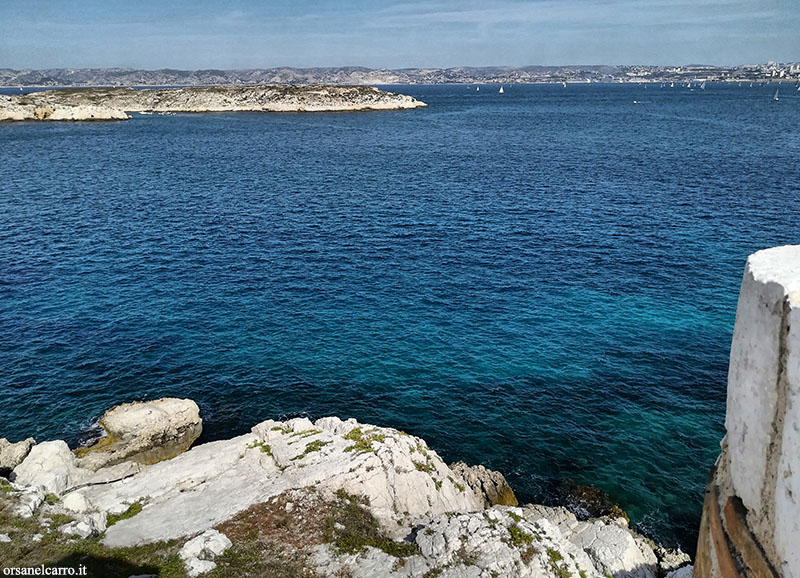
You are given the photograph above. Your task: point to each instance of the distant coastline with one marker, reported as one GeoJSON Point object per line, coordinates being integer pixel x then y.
{"type": "Point", "coordinates": [355, 75]}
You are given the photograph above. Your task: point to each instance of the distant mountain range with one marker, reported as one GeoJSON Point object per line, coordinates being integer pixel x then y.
{"type": "Point", "coordinates": [355, 75]}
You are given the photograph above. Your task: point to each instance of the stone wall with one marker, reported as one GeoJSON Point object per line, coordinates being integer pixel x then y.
{"type": "Point", "coordinates": [751, 516]}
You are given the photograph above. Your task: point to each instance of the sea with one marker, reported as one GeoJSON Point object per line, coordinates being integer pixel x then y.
{"type": "Point", "coordinates": [542, 281]}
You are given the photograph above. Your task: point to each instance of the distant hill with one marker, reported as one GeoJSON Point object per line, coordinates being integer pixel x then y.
{"type": "Point", "coordinates": [355, 75]}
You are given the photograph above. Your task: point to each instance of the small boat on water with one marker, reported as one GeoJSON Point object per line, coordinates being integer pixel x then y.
{"type": "Point", "coordinates": [775, 98]}
{"type": "Point", "coordinates": [501, 90]}
{"type": "Point", "coordinates": [565, 84]}
{"type": "Point", "coordinates": [477, 89]}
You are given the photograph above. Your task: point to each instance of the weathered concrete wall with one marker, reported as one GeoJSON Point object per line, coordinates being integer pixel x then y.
{"type": "Point", "coordinates": [751, 515]}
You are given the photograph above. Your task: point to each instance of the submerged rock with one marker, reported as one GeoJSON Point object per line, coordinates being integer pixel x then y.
{"type": "Point", "coordinates": [589, 502]}
{"type": "Point", "coordinates": [144, 432]}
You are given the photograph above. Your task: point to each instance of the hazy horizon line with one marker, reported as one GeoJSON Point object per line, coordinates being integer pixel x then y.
{"type": "Point", "coordinates": [761, 63]}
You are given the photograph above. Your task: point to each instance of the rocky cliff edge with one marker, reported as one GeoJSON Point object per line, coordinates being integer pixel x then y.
{"type": "Point", "coordinates": [323, 498]}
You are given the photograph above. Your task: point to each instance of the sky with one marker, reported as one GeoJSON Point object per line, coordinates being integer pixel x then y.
{"type": "Point", "coordinates": [201, 34]}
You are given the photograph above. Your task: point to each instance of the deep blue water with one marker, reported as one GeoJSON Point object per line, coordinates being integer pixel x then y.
{"type": "Point", "coordinates": [544, 281]}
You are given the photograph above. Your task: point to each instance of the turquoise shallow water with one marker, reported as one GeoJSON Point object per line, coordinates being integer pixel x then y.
{"type": "Point", "coordinates": [544, 281]}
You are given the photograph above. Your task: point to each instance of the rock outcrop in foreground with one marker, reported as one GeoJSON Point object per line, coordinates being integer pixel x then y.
{"type": "Point", "coordinates": [323, 498]}
{"type": "Point", "coordinates": [115, 103]}
{"type": "Point", "coordinates": [144, 433]}
{"type": "Point", "coordinates": [751, 515]}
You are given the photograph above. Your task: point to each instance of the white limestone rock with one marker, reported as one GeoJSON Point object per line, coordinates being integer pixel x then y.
{"type": "Point", "coordinates": [77, 502]}
{"type": "Point", "coordinates": [28, 501]}
{"type": "Point", "coordinates": [80, 529]}
{"type": "Point", "coordinates": [614, 550]}
{"type": "Point", "coordinates": [85, 112]}
{"type": "Point", "coordinates": [195, 567]}
{"type": "Point", "coordinates": [399, 475]}
{"type": "Point", "coordinates": [198, 553]}
{"type": "Point", "coordinates": [98, 520]}
{"type": "Point", "coordinates": [27, 107]}
{"type": "Point", "coordinates": [4, 538]}
{"type": "Point", "coordinates": [491, 486]}
{"type": "Point", "coordinates": [206, 546]}
{"type": "Point", "coordinates": [106, 474]}
{"type": "Point", "coordinates": [12, 454]}
{"type": "Point", "coordinates": [507, 542]}
{"type": "Point", "coordinates": [145, 432]}
{"type": "Point", "coordinates": [49, 465]}
{"type": "Point", "coordinates": [670, 560]}
{"type": "Point", "coordinates": [86, 525]}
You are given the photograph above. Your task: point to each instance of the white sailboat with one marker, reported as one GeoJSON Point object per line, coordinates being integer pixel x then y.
{"type": "Point", "coordinates": [501, 90]}
{"type": "Point", "coordinates": [775, 98]}
{"type": "Point", "coordinates": [477, 89]}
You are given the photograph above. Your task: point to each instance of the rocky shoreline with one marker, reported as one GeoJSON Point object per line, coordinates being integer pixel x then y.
{"type": "Point", "coordinates": [85, 104]}
{"type": "Point", "coordinates": [291, 498]}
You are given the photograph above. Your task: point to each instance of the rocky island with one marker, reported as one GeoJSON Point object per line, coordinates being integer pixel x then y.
{"type": "Point", "coordinates": [115, 103]}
